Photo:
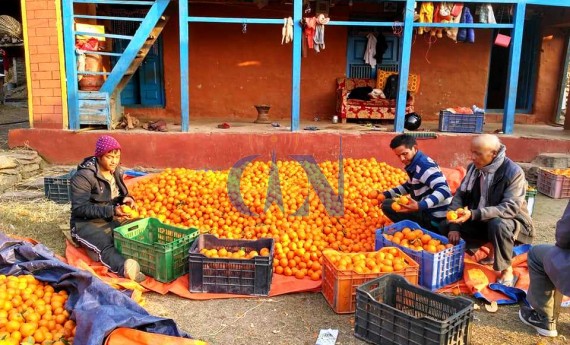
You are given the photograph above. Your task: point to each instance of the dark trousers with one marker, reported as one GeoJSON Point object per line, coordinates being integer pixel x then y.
{"type": "Point", "coordinates": [421, 217]}
{"type": "Point", "coordinates": [97, 236]}
{"type": "Point", "coordinates": [500, 232]}
{"type": "Point", "coordinates": [542, 294]}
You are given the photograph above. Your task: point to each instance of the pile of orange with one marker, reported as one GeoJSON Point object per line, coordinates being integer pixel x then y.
{"type": "Point", "coordinates": [32, 312]}
{"type": "Point", "coordinates": [563, 172]}
{"type": "Point", "coordinates": [387, 259]}
{"type": "Point", "coordinates": [417, 240]}
{"type": "Point", "coordinates": [237, 254]}
{"type": "Point", "coordinates": [302, 228]}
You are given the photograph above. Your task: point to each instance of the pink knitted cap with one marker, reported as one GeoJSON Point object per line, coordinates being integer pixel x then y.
{"type": "Point", "coordinates": [105, 144]}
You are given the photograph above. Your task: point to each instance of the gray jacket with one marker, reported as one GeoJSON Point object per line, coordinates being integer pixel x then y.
{"type": "Point", "coordinates": [557, 259]}
{"type": "Point", "coordinates": [505, 197]}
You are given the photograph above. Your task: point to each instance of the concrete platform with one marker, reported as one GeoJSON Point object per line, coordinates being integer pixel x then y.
{"type": "Point", "coordinates": [209, 147]}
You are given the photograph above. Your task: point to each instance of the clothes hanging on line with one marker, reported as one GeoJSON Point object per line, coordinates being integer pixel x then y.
{"type": "Point", "coordinates": [319, 38]}
{"type": "Point", "coordinates": [381, 47]}
{"type": "Point", "coordinates": [426, 16]}
{"type": "Point", "coordinates": [370, 52]}
{"type": "Point", "coordinates": [466, 35]}
{"type": "Point", "coordinates": [287, 31]}
{"type": "Point", "coordinates": [456, 12]}
{"type": "Point", "coordinates": [486, 14]}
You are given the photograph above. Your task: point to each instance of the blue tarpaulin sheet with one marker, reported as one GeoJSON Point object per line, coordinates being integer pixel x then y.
{"type": "Point", "coordinates": [96, 307]}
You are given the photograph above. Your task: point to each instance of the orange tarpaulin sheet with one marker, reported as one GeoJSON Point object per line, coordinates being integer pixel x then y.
{"type": "Point", "coordinates": [454, 177]}
{"type": "Point", "coordinates": [128, 336]}
{"type": "Point", "coordinates": [280, 284]}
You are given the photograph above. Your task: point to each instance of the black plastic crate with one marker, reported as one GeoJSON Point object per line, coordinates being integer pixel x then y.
{"type": "Point", "coordinates": [461, 123]}
{"type": "Point", "coordinates": [58, 188]}
{"type": "Point", "coordinates": [389, 310]}
{"type": "Point", "coordinates": [234, 276]}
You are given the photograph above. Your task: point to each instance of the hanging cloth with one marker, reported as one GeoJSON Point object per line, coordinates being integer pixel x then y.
{"type": "Point", "coordinates": [381, 47]}
{"type": "Point", "coordinates": [370, 53]}
{"type": "Point", "coordinates": [287, 31]}
{"type": "Point", "coordinates": [456, 11]}
{"type": "Point", "coordinates": [319, 38]}
{"type": "Point", "coordinates": [466, 35]}
{"type": "Point", "coordinates": [486, 14]}
{"type": "Point", "coordinates": [426, 16]}
{"type": "Point", "coordinates": [310, 26]}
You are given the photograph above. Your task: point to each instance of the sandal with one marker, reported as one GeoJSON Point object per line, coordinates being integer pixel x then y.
{"type": "Point", "coordinates": [487, 261]}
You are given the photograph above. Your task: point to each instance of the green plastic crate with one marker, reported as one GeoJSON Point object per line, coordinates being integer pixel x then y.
{"type": "Point", "coordinates": [160, 249]}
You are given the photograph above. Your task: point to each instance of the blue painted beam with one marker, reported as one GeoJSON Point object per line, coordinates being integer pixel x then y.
{"type": "Point", "coordinates": [70, 64]}
{"type": "Point", "coordinates": [128, 19]}
{"type": "Point", "coordinates": [184, 45]}
{"type": "Point", "coordinates": [113, 2]}
{"type": "Point", "coordinates": [235, 20]}
{"type": "Point", "coordinates": [404, 67]}
{"type": "Point", "coordinates": [464, 25]}
{"type": "Point", "coordinates": [563, 3]}
{"type": "Point", "coordinates": [513, 69]}
{"type": "Point", "coordinates": [359, 23]}
{"type": "Point", "coordinates": [97, 34]}
{"type": "Point", "coordinates": [296, 66]}
{"type": "Point", "coordinates": [131, 51]}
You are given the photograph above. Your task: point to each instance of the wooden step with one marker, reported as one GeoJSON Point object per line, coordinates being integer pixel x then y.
{"type": "Point", "coordinates": [94, 108]}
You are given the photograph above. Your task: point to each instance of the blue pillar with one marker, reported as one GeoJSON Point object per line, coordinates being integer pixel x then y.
{"type": "Point", "coordinates": [184, 64]}
{"type": "Point", "coordinates": [296, 65]}
{"type": "Point", "coordinates": [404, 67]}
{"type": "Point", "coordinates": [70, 64]}
{"type": "Point", "coordinates": [513, 73]}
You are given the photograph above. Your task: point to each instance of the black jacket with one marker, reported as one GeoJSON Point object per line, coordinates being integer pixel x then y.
{"type": "Point", "coordinates": [91, 193]}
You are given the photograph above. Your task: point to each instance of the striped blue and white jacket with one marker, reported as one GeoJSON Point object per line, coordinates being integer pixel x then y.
{"type": "Point", "coordinates": [427, 185]}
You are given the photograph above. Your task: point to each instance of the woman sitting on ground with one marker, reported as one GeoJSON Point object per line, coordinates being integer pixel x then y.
{"type": "Point", "coordinates": [97, 193]}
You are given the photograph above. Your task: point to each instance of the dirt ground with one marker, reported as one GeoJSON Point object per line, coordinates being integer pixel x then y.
{"type": "Point", "coordinates": [289, 319]}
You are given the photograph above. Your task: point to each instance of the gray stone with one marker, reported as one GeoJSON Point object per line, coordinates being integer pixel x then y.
{"type": "Point", "coordinates": [35, 183]}
{"type": "Point", "coordinates": [7, 162]}
{"type": "Point", "coordinates": [8, 181]}
{"type": "Point", "coordinates": [10, 171]}
{"type": "Point", "coordinates": [22, 195]}
{"type": "Point", "coordinates": [24, 154]}
{"type": "Point", "coordinates": [552, 160]}
{"type": "Point", "coordinates": [31, 167]}
{"type": "Point", "coordinates": [27, 174]}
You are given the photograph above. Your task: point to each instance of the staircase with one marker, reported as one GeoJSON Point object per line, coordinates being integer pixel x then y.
{"type": "Point", "coordinates": [103, 107]}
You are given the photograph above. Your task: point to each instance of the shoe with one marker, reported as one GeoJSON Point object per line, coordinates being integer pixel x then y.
{"type": "Point", "coordinates": [132, 271]}
{"type": "Point", "coordinates": [532, 318]}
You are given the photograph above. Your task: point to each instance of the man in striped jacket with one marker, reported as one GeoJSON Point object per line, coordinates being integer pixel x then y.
{"type": "Point", "coordinates": [429, 193]}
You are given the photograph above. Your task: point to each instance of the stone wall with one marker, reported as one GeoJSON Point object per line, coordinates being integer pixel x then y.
{"type": "Point", "coordinates": [18, 165]}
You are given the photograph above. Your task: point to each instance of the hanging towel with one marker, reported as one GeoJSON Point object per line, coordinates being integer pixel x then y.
{"type": "Point", "coordinates": [486, 14]}
{"type": "Point", "coordinates": [466, 35]}
{"type": "Point", "coordinates": [319, 38]}
{"type": "Point", "coordinates": [287, 31]}
{"type": "Point", "coordinates": [455, 18]}
{"type": "Point", "coordinates": [426, 16]}
{"type": "Point", "coordinates": [370, 53]}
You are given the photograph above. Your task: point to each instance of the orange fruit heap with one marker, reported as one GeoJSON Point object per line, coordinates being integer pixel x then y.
{"type": "Point", "coordinates": [242, 253]}
{"type": "Point", "coordinates": [417, 240]}
{"type": "Point", "coordinates": [562, 172]}
{"type": "Point", "coordinates": [32, 312]}
{"type": "Point", "coordinates": [186, 198]}
{"type": "Point", "coordinates": [387, 259]}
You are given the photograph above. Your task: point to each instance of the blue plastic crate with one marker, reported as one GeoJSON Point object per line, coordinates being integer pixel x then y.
{"type": "Point", "coordinates": [436, 270]}
{"type": "Point", "coordinates": [461, 123]}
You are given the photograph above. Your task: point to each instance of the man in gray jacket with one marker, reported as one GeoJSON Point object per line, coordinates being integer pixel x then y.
{"type": "Point", "coordinates": [493, 190]}
{"type": "Point", "coordinates": [548, 267]}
